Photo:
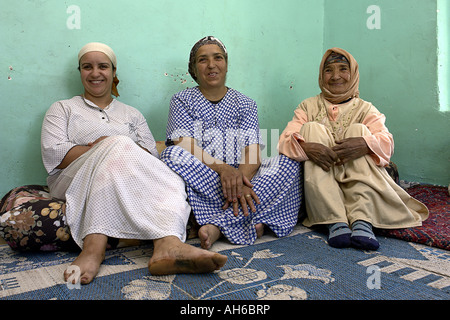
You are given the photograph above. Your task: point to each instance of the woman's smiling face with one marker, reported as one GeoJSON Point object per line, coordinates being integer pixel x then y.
{"type": "Point", "coordinates": [210, 66]}
{"type": "Point", "coordinates": [97, 74]}
{"type": "Point", "coordinates": [336, 77]}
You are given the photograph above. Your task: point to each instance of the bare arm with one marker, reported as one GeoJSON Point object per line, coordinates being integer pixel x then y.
{"type": "Point", "coordinates": [234, 181]}
{"type": "Point", "coordinates": [249, 167]}
{"type": "Point", "coordinates": [76, 152]}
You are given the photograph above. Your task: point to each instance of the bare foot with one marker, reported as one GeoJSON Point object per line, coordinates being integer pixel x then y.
{"type": "Point", "coordinates": [90, 258]}
{"type": "Point", "coordinates": [208, 234]}
{"type": "Point", "coordinates": [259, 230]}
{"type": "Point", "coordinates": [171, 256]}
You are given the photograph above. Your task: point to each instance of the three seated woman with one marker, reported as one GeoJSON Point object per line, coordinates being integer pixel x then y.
{"type": "Point", "coordinates": [102, 161]}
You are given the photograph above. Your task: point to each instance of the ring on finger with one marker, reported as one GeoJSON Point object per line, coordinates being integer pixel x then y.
{"type": "Point", "coordinates": [248, 195]}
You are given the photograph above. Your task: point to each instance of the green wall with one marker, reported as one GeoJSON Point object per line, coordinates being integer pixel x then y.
{"type": "Point", "coordinates": [274, 51]}
{"type": "Point", "coordinates": [398, 69]}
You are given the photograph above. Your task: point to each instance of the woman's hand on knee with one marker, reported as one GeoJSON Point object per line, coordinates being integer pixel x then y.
{"type": "Point", "coordinates": [232, 182]}
{"type": "Point", "coordinates": [320, 154]}
{"type": "Point", "coordinates": [350, 149]}
{"type": "Point", "coordinates": [249, 199]}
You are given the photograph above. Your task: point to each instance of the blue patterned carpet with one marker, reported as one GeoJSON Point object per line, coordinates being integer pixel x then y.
{"type": "Point", "coordinates": [299, 267]}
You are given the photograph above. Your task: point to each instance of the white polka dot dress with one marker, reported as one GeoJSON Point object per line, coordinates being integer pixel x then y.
{"type": "Point", "coordinates": [116, 188]}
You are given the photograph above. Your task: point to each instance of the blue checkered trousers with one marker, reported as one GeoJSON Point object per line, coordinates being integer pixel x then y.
{"type": "Point", "coordinates": [223, 129]}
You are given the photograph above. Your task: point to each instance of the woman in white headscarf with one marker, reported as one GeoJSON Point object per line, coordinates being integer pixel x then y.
{"type": "Point", "coordinates": [345, 145]}
{"type": "Point", "coordinates": [102, 160]}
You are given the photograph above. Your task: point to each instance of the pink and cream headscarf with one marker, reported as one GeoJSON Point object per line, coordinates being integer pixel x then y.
{"type": "Point", "coordinates": [353, 90]}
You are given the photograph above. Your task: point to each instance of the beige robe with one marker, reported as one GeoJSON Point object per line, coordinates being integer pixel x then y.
{"type": "Point", "coordinates": [360, 189]}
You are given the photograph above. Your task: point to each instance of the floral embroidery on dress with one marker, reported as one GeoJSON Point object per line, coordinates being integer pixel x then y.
{"type": "Point", "coordinates": [338, 121]}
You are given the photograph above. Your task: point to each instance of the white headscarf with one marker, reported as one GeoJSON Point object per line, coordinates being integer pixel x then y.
{"type": "Point", "coordinates": [100, 47]}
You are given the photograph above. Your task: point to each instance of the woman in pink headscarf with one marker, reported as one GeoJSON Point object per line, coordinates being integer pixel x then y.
{"type": "Point", "coordinates": [345, 145]}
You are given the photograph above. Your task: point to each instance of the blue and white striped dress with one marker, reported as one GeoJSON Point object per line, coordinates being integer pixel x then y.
{"type": "Point", "coordinates": [223, 129]}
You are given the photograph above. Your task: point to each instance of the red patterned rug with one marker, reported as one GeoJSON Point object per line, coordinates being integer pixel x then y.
{"type": "Point", "coordinates": [435, 231]}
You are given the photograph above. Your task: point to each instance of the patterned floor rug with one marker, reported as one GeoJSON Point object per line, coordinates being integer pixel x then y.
{"type": "Point", "coordinates": [435, 231]}
{"type": "Point", "coordinates": [299, 267]}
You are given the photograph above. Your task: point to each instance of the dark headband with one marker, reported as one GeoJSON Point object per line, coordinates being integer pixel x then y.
{"type": "Point", "coordinates": [336, 58]}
